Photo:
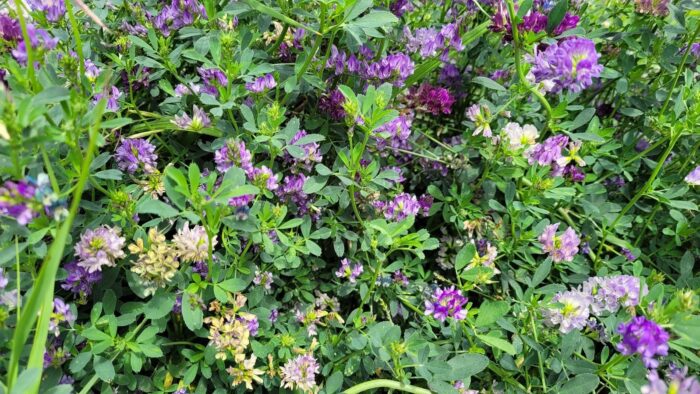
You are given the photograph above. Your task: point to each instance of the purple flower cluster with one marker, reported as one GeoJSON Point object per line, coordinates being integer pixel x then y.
{"type": "Point", "coordinates": [428, 42]}
{"type": "Point", "coordinates": [261, 84]}
{"type": "Point", "coordinates": [394, 133]}
{"type": "Point", "coordinates": [612, 292]}
{"type": "Point", "coordinates": [311, 152]}
{"type": "Point", "coordinates": [400, 7]}
{"type": "Point", "coordinates": [560, 247]}
{"type": "Point", "coordinates": [644, 337]}
{"type": "Point", "coordinates": [198, 121]}
{"type": "Point", "coordinates": [112, 95]}
{"type": "Point", "coordinates": [61, 313]}
{"type": "Point", "coordinates": [351, 272]}
{"type": "Point", "coordinates": [393, 68]}
{"type": "Point", "coordinates": [571, 64]}
{"type": "Point", "coordinates": [40, 40]}
{"type": "Point", "coordinates": [99, 248]}
{"type": "Point", "coordinates": [136, 154]}
{"type": "Point", "coordinates": [53, 9]}
{"type": "Point", "coordinates": [331, 104]}
{"type": "Point", "coordinates": [79, 280]}
{"type": "Point", "coordinates": [446, 302]}
{"type": "Point", "coordinates": [263, 178]}
{"type": "Point", "coordinates": [233, 154]}
{"type": "Point", "coordinates": [404, 205]}
{"type": "Point", "coordinates": [300, 373]}
{"type": "Point", "coordinates": [177, 14]}
{"type": "Point", "coordinates": [213, 78]}
{"type": "Point", "coordinates": [433, 99]}
{"type": "Point", "coordinates": [17, 199]}
{"type": "Point", "coordinates": [652, 7]}
{"type": "Point", "coordinates": [693, 178]}
{"type": "Point", "coordinates": [263, 279]}
{"type": "Point", "coordinates": [549, 151]}
{"type": "Point", "coordinates": [292, 191]}
{"type": "Point", "coordinates": [10, 29]}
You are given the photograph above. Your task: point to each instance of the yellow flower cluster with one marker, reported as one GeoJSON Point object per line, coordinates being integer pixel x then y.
{"type": "Point", "coordinates": [157, 263]}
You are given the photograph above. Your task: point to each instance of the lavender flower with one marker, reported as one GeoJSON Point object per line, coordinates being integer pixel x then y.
{"type": "Point", "coordinates": [548, 152]}
{"type": "Point", "coordinates": [79, 280]}
{"type": "Point", "coordinates": [177, 14]}
{"type": "Point", "coordinates": [112, 97]}
{"type": "Point", "coordinates": [348, 271]}
{"type": "Point", "coordinates": [394, 133]}
{"type": "Point", "coordinates": [17, 200]}
{"type": "Point", "coordinates": [643, 337]}
{"type": "Point", "coordinates": [263, 278]}
{"type": "Point", "coordinates": [53, 9]}
{"type": "Point", "coordinates": [300, 373]}
{"type": "Point", "coordinates": [571, 64]}
{"type": "Point", "coordinates": [10, 29]}
{"type": "Point", "coordinates": [293, 190]}
{"type": "Point", "coordinates": [213, 79]}
{"type": "Point", "coordinates": [392, 68]}
{"type": "Point", "coordinates": [135, 154]}
{"type": "Point", "coordinates": [40, 40]}
{"type": "Point", "coordinates": [428, 42]}
{"type": "Point", "coordinates": [274, 315]}
{"type": "Point", "coordinates": [569, 22]}
{"type": "Point", "coordinates": [611, 293]}
{"type": "Point", "coordinates": [91, 70]}
{"type": "Point", "coordinates": [99, 248]}
{"type": "Point", "coordinates": [399, 7]}
{"type": "Point", "coordinates": [311, 152]}
{"type": "Point", "coordinates": [233, 154]}
{"type": "Point", "coordinates": [652, 7]}
{"type": "Point", "coordinates": [425, 202]}
{"type": "Point", "coordinates": [241, 201]}
{"type": "Point", "coordinates": [400, 278]}
{"type": "Point", "coordinates": [446, 302]}
{"type": "Point", "coordinates": [560, 248]}
{"type": "Point", "coordinates": [184, 90]}
{"type": "Point", "coordinates": [61, 313]}
{"type": "Point", "coordinates": [693, 178]}
{"type": "Point", "coordinates": [261, 84]}
{"type": "Point", "coordinates": [263, 178]}
{"type": "Point", "coordinates": [481, 116]}
{"type": "Point", "coordinates": [677, 382]}
{"type": "Point", "coordinates": [573, 312]}
{"type": "Point", "coordinates": [198, 121]}
{"type": "Point", "coordinates": [402, 206]}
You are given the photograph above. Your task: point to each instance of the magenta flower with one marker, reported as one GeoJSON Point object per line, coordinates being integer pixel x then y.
{"type": "Point", "coordinates": [644, 337]}
{"type": "Point", "coordinates": [433, 99]}
{"type": "Point", "coordinates": [446, 302]}
{"type": "Point", "coordinates": [560, 248]}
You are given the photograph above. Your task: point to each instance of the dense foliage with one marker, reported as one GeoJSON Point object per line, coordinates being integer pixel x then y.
{"type": "Point", "coordinates": [345, 195]}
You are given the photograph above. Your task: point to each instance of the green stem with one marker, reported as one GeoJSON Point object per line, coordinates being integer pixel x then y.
{"type": "Point", "coordinates": [386, 384]}
{"type": "Point", "coordinates": [678, 72]}
{"type": "Point", "coordinates": [78, 40]}
{"type": "Point", "coordinates": [539, 355]}
{"type": "Point", "coordinates": [30, 50]}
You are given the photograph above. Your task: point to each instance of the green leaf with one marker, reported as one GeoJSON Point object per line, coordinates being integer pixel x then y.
{"type": "Point", "coordinates": [26, 380]}
{"type": "Point", "coordinates": [262, 8]}
{"type": "Point", "coordinates": [376, 19]}
{"type": "Point", "coordinates": [489, 83]}
{"type": "Point", "coordinates": [79, 362]}
{"type": "Point", "coordinates": [233, 285]}
{"type": "Point", "coordinates": [156, 207]}
{"type": "Point", "coordinates": [490, 311]}
{"type": "Point", "coordinates": [582, 118]}
{"type": "Point", "coordinates": [104, 369]}
{"type": "Point", "coordinates": [153, 351]}
{"type": "Point", "coordinates": [582, 384]}
{"type": "Point", "coordinates": [467, 365]}
{"type": "Point", "coordinates": [541, 273]}
{"type": "Point", "coordinates": [465, 256]}
{"type": "Point", "coordinates": [557, 15]}
{"type": "Point", "coordinates": [498, 343]}
{"type": "Point", "coordinates": [191, 312]}
{"type": "Point", "coordinates": [334, 383]}
{"type": "Point", "coordinates": [109, 174]}
{"type": "Point", "coordinates": [160, 305]}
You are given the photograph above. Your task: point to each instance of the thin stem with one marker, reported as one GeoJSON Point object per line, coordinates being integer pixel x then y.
{"type": "Point", "coordinates": [680, 69]}
{"type": "Point", "coordinates": [386, 384]}
{"type": "Point", "coordinates": [28, 45]}
{"type": "Point", "coordinates": [539, 355]}
{"type": "Point", "coordinates": [78, 40]}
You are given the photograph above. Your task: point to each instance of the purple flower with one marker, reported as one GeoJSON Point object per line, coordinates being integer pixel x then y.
{"type": "Point", "coordinates": [263, 178]}
{"type": "Point", "coordinates": [40, 40]}
{"type": "Point", "coordinates": [394, 133]}
{"type": "Point", "coordinates": [481, 116]}
{"type": "Point", "coordinates": [99, 248]}
{"type": "Point", "coordinates": [548, 152]}
{"type": "Point", "coordinates": [309, 155]}
{"type": "Point", "coordinates": [198, 121]}
{"type": "Point", "coordinates": [450, 76]}
{"type": "Point", "coordinates": [628, 254]}
{"type": "Point", "coordinates": [3, 279]}
{"type": "Point", "coordinates": [61, 313]}
{"type": "Point", "coordinates": [261, 84]}
{"type": "Point", "coordinates": [10, 29]}
{"type": "Point", "coordinates": [446, 302]}
{"type": "Point", "coordinates": [433, 99]}
{"type": "Point", "coordinates": [55, 355]}
{"type": "Point", "coordinates": [274, 315]}
{"type": "Point", "coordinates": [241, 201]}
{"type": "Point", "coordinates": [135, 154]}
{"type": "Point", "coordinates": [533, 21]}
{"type": "Point", "coordinates": [569, 22]}
{"type": "Point", "coordinates": [213, 79]}
{"type": "Point", "coordinates": [112, 98]}
{"type": "Point", "coordinates": [300, 373]}
{"type": "Point", "coordinates": [400, 278]}
{"type": "Point", "coordinates": [177, 14]}
{"type": "Point", "coordinates": [611, 293]}
{"type": "Point", "coordinates": [136, 29]}
{"type": "Point", "coordinates": [642, 144]}
{"type": "Point", "coordinates": [349, 272]}
{"type": "Point", "coordinates": [79, 280]}
{"type": "Point", "coordinates": [429, 42]}
{"type": "Point", "coordinates": [184, 90]}
{"type": "Point", "coordinates": [54, 9]}
{"type": "Point", "coordinates": [331, 104]}
{"type": "Point", "coordinates": [560, 248]}
{"type": "Point", "coordinates": [652, 7]}
{"type": "Point", "coordinates": [91, 70]}
{"type": "Point", "coordinates": [293, 190]}
{"type": "Point", "coordinates": [693, 178]}
{"type": "Point", "coordinates": [571, 64]}
{"type": "Point", "coordinates": [177, 307]}
{"type": "Point", "coordinates": [402, 206]}
{"type": "Point", "coordinates": [573, 312]}
{"type": "Point", "coordinates": [426, 202]}
{"type": "Point", "coordinates": [643, 337]}
{"type": "Point", "coordinates": [399, 7]}
{"type": "Point", "coordinates": [263, 278]}
{"type": "Point", "coordinates": [233, 154]}
{"type": "Point", "coordinates": [392, 68]}
{"type": "Point", "coordinates": [201, 268]}
{"type": "Point", "coordinates": [17, 199]}
{"type": "Point", "coordinates": [677, 382]}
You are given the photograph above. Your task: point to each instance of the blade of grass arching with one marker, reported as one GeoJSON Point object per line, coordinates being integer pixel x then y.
{"type": "Point", "coordinates": [262, 8]}
{"type": "Point", "coordinates": [41, 295]}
